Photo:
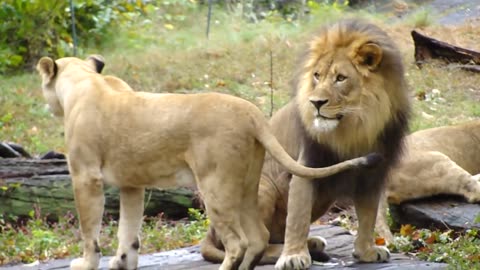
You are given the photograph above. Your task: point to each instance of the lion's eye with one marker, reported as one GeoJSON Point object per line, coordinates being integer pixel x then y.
{"type": "Point", "coordinates": [340, 78]}
{"type": "Point", "coordinates": [316, 75]}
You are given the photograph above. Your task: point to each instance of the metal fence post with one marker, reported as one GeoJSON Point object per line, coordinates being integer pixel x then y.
{"type": "Point", "coordinates": [74, 31]}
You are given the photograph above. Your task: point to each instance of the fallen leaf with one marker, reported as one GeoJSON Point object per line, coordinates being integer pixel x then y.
{"type": "Point", "coordinates": [406, 230]}
{"type": "Point", "coordinates": [416, 235]}
{"type": "Point", "coordinates": [430, 240]}
{"type": "Point", "coordinates": [425, 249]}
{"type": "Point", "coordinates": [380, 241]}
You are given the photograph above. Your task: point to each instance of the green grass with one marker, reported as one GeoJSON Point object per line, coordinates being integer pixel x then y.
{"type": "Point", "coordinates": [24, 117]}
{"type": "Point", "coordinates": [458, 250]}
{"type": "Point", "coordinates": [37, 239]}
{"type": "Point", "coordinates": [443, 96]}
{"type": "Point", "coordinates": [421, 18]}
{"type": "Point", "coordinates": [158, 54]}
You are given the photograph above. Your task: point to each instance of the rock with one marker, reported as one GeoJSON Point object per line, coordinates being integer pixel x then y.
{"type": "Point", "coordinates": [441, 212]}
{"type": "Point", "coordinates": [340, 246]}
{"type": "Point", "coordinates": [11, 150]}
{"type": "Point", "coordinates": [52, 155]}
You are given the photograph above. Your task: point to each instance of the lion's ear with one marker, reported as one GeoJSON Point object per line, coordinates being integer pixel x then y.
{"type": "Point", "coordinates": [97, 62]}
{"type": "Point", "coordinates": [369, 55]}
{"type": "Point", "coordinates": [47, 69]}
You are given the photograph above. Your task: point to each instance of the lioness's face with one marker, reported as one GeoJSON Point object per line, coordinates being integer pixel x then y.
{"type": "Point", "coordinates": [50, 71]}
{"type": "Point", "coordinates": [333, 87]}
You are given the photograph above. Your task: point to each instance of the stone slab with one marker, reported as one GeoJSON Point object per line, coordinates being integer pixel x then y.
{"type": "Point", "coordinates": [340, 246]}
{"type": "Point", "coordinates": [441, 212]}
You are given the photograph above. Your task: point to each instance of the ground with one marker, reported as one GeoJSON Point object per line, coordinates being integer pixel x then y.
{"type": "Point", "coordinates": [340, 246]}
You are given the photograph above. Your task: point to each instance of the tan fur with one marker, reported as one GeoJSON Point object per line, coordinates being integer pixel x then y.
{"type": "Point", "coordinates": [444, 160]}
{"type": "Point", "coordinates": [368, 108]}
{"type": "Point", "coordinates": [135, 140]}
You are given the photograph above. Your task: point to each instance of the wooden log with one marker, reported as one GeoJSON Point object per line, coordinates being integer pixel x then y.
{"type": "Point", "coordinates": [430, 48]}
{"type": "Point", "coordinates": [46, 185]}
{"type": "Point", "coordinates": [15, 167]}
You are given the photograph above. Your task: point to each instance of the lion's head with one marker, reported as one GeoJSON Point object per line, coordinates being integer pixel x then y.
{"type": "Point", "coordinates": [349, 86]}
{"type": "Point", "coordinates": [48, 69]}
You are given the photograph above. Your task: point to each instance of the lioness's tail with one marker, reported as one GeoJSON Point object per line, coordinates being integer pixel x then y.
{"type": "Point", "coordinates": [271, 144]}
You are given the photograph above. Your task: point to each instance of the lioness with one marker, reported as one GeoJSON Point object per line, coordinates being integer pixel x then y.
{"type": "Point", "coordinates": [350, 99]}
{"type": "Point", "coordinates": [135, 140]}
{"type": "Point", "coordinates": [439, 160]}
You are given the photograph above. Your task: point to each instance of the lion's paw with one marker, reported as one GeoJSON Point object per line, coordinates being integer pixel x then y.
{"type": "Point", "coordinates": [81, 264]}
{"type": "Point", "coordinates": [123, 262]}
{"type": "Point", "coordinates": [473, 198]}
{"type": "Point", "coordinates": [293, 262]}
{"type": "Point", "coordinates": [316, 244]}
{"type": "Point", "coordinates": [472, 191]}
{"type": "Point", "coordinates": [374, 254]}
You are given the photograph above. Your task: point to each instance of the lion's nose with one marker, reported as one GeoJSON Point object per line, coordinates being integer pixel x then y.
{"type": "Point", "coordinates": [318, 103]}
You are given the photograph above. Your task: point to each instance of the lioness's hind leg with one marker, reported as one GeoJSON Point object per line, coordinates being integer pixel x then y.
{"type": "Point", "coordinates": [89, 202]}
{"type": "Point", "coordinates": [252, 222]}
{"type": "Point", "coordinates": [210, 248]}
{"type": "Point", "coordinates": [257, 235]}
{"type": "Point", "coordinates": [131, 213]}
{"type": "Point", "coordinates": [223, 203]}
{"type": "Point", "coordinates": [365, 250]}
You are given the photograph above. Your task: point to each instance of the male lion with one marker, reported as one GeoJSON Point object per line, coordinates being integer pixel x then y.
{"type": "Point", "coordinates": [351, 99]}
{"type": "Point", "coordinates": [135, 140]}
{"type": "Point", "coordinates": [439, 160]}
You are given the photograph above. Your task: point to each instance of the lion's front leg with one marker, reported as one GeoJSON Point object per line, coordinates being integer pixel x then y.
{"type": "Point", "coordinates": [89, 202]}
{"type": "Point", "coordinates": [131, 213]}
{"type": "Point", "coordinates": [381, 226]}
{"type": "Point", "coordinates": [365, 250]}
{"type": "Point", "coordinates": [295, 254]}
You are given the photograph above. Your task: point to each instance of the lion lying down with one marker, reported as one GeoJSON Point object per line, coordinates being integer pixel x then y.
{"type": "Point", "coordinates": [436, 161]}
{"type": "Point", "coordinates": [135, 140]}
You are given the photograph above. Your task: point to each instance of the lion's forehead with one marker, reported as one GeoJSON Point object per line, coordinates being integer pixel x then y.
{"type": "Point", "coordinates": [333, 62]}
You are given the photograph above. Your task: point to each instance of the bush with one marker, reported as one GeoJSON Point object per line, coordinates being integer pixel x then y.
{"type": "Point", "coordinates": [34, 28]}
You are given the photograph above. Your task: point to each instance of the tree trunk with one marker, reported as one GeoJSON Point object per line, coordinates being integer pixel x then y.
{"type": "Point", "coordinates": [26, 184]}
{"type": "Point", "coordinates": [428, 48]}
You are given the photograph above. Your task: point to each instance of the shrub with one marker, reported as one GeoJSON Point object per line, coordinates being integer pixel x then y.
{"type": "Point", "coordinates": [34, 28]}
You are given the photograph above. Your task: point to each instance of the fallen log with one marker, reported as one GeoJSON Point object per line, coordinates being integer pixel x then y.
{"type": "Point", "coordinates": [430, 48]}
{"type": "Point", "coordinates": [15, 167]}
{"type": "Point", "coordinates": [45, 185]}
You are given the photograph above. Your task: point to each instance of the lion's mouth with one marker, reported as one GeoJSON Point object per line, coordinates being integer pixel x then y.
{"type": "Point", "coordinates": [337, 117]}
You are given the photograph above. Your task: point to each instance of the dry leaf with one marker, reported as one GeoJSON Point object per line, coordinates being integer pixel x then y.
{"type": "Point", "coordinates": [380, 241]}
{"type": "Point", "coordinates": [430, 240]}
{"type": "Point", "coordinates": [406, 230]}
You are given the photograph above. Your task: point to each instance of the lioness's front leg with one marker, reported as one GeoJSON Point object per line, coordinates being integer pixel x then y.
{"type": "Point", "coordinates": [295, 254]}
{"type": "Point", "coordinates": [365, 250]}
{"type": "Point", "coordinates": [89, 201]}
{"type": "Point", "coordinates": [131, 213]}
